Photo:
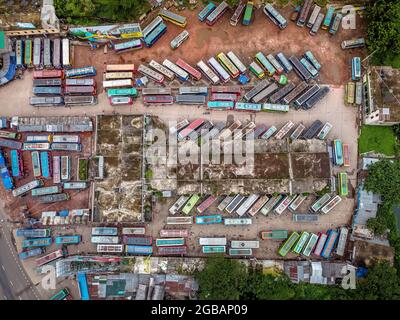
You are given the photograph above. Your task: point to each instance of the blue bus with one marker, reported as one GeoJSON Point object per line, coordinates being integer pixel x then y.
{"type": "Point", "coordinates": [68, 239]}
{"type": "Point", "coordinates": [155, 34]}
{"type": "Point", "coordinates": [203, 14]}
{"type": "Point", "coordinates": [5, 174]}
{"type": "Point", "coordinates": [328, 18]}
{"type": "Point", "coordinates": [81, 72]}
{"type": "Point", "coordinates": [356, 69]}
{"type": "Point", "coordinates": [30, 253]}
{"type": "Point", "coordinates": [131, 249]}
{"type": "Point", "coordinates": [16, 163]}
{"type": "Point", "coordinates": [329, 244]}
{"type": "Point", "coordinates": [44, 163]}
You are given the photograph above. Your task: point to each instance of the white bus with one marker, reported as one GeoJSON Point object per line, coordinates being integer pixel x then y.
{"type": "Point", "coordinates": [284, 130]}
{"type": "Point", "coordinates": [175, 43]}
{"type": "Point", "coordinates": [237, 221]}
{"type": "Point", "coordinates": [117, 83]}
{"type": "Point", "coordinates": [110, 248]}
{"type": "Point", "coordinates": [284, 204]}
{"type": "Point", "coordinates": [179, 220]}
{"type": "Point", "coordinates": [151, 73]}
{"type": "Point", "coordinates": [163, 70]}
{"type": "Point", "coordinates": [178, 204]}
{"type": "Point", "coordinates": [216, 66]}
{"type": "Point", "coordinates": [180, 73]}
{"type": "Point", "coordinates": [313, 16]}
{"type": "Point", "coordinates": [297, 202]}
{"type": "Point", "coordinates": [66, 138]}
{"type": "Point", "coordinates": [208, 72]}
{"type": "Point", "coordinates": [105, 239]}
{"type": "Point", "coordinates": [324, 131]}
{"type": "Point", "coordinates": [235, 60]}
{"type": "Point", "coordinates": [66, 60]}
{"type": "Point", "coordinates": [56, 169]}
{"type": "Point", "coordinates": [331, 204]}
{"type": "Point", "coordinates": [133, 231]}
{"type": "Point", "coordinates": [245, 244]}
{"type": "Point", "coordinates": [247, 204]}
{"type": "Point", "coordinates": [212, 241]}
{"type": "Point", "coordinates": [27, 187]}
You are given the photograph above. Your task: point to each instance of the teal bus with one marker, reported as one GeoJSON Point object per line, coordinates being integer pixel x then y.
{"type": "Point", "coordinates": [208, 219]}
{"type": "Point", "coordinates": [248, 13]}
{"type": "Point", "coordinates": [288, 244]}
{"type": "Point", "coordinates": [203, 14]}
{"type": "Point", "coordinates": [301, 242]}
{"type": "Point", "coordinates": [61, 295]}
{"type": "Point", "coordinates": [75, 239]}
{"type": "Point", "coordinates": [220, 105]}
{"type": "Point", "coordinates": [170, 242]}
{"type": "Point", "coordinates": [131, 92]}
{"type": "Point", "coordinates": [262, 60]}
{"type": "Point", "coordinates": [38, 242]}
{"type": "Point", "coordinates": [240, 252]}
{"type": "Point", "coordinates": [328, 18]}
{"type": "Point", "coordinates": [190, 204]}
{"type": "Point", "coordinates": [214, 249]}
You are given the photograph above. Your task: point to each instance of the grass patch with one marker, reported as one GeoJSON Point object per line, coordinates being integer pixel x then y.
{"type": "Point", "coordinates": [377, 139]}
{"type": "Point", "coordinates": [83, 169]}
{"type": "Point", "coordinates": [393, 61]}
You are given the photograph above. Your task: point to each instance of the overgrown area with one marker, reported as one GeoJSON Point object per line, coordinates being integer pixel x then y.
{"type": "Point", "coordinates": [377, 139]}
{"type": "Point", "coordinates": [384, 31]}
{"type": "Point", "coordinates": [229, 279]}
{"type": "Point", "coordinates": [86, 12]}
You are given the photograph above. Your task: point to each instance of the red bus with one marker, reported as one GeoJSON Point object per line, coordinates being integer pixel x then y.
{"type": "Point", "coordinates": [158, 99]}
{"type": "Point", "coordinates": [189, 69]}
{"type": "Point", "coordinates": [43, 74]}
{"type": "Point", "coordinates": [206, 204]}
{"type": "Point", "coordinates": [226, 89]}
{"type": "Point", "coordinates": [346, 155]}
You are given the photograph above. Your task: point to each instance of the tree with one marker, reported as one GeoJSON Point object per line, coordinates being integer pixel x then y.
{"type": "Point", "coordinates": [383, 28]}
{"type": "Point", "coordinates": [221, 279]}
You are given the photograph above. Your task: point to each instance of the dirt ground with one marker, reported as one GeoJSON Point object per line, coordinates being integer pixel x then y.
{"type": "Point", "coordinates": [206, 41]}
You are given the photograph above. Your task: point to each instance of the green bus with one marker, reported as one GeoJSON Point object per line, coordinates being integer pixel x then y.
{"type": "Point", "coordinates": [288, 244]}
{"type": "Point", "coordinates": [343, 190]}
{"type": "Point", "coordinates": [132, 92]}
{"type": "Point", "coordinates": [248, 13]}
{"type": "Point", "coordinates": [170, 242]}
{"type": "Point", "coordinates": [256, 70]}
{"type": "Point", "coordinates": [191, 203]}
{"type": "Point", "coordinates": [61, 295]}
{"type": "Point", "coordinates": [302, 241]}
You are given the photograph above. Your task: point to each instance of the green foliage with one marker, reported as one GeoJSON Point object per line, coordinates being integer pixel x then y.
{"type": "Point", "coordinates": [383, 28]}
{"type": "Point", "coordinates": [378, 139]}
{"type": "Point", "coordinates": [148, 174]}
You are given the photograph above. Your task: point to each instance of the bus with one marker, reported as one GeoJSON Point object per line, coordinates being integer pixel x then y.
{"type": "Point", "coordinates": [66, 59]}
{"type": "Point", "coordinates": [274, 235]}
{"type": "Point", "coordinates": [335, 24]}
{"type": "Point", "coordinates": [346, 155]}
{"type": "Point", "coordinates": [118, 101]}
{"type": "Point", "coordinates": [224, 97]}
{"type": "Point", "coordinates": [316, 97]}
{"type": "Point", "coordinates": [237, 221]}
{"type": "Point", "coordinates": [61, 295]}
{"type": "Point", "coordinates": [52, 198]}
{"type": "Point", "coordinates": [56, 82]}
{"type": "Point", "coordinates": [220, 105]}
{"type": "Point", "coordinates": [258, 205]}
{"type": "Point", "coordinates": [356, 69]}
{"type": "Point", "coordinates": [77, 185]}
{"type": "Point", "coordinates": [118, 75]}
{"type": "Point", "coordinates": [156, 34]}
{"type": "Point", "coordinates": [37, 53]}
{"type": "Point", "coordinates": [317, 205]}
{"type": "Point", "coordinates": [161, 69]}
{"type": "Point", "coordinates": [206, 204]}
{"type": "Point", "coordinates": [117, 83]}
{"type": "Point", "coordinates": [47, 53]}
{"type": "Point", "coordinates": [47, 91]}
{"type": "Point", "coordinates": [324, 131]}
{"type": "Point", "coordinates": [37, 172]}
{"type": "Point", "coordinates": [131, 92]}
{"type": "Point", "coordinates": [297, 202]}
{"type": "Point", "coordinates": [203, 14]}
{"type": "Point", "coordinates": [222, 205]}
{"type": "Point", "coordinates": [151, 74]}
{"type": "Point", "coordinates": [288, 244]}
{"type": "Point", "coordinates": [56, 169]}
{"type": "Point", "coordinates": [302, 99]}
{"type": "Point", "coordinates": [151, 26]}
{"type": "Point", "coordinates": [331, 204]}
{"type": "Point", "coordinates": [193, 90]}
{"type": "Point", "coordinates": [236, 62]}
{"type": "Point", "coordinates": [265, 93]}
{"type": "Point", "coordinates": [245, 106]}
{"type": "Point", "coordinates": [262, 60]}
{"type": "Point", "coordinates": [80, 90]}
{"type": "Point", "coordinates": [49, 258]}
{"type": "Point", "coordinates": [268, 134]}
{"type": "Point", "coordinates": [312, 241]}
{"type": "Point", "coordinates": [156, 91]}
{"type": "Point", "coordinates": [214, 16]}
{"type": "Point", "coordinates": [65, 164]}
{"type": "Point", "coordinates": [45, 191]}
{"type": "Point", "coordinates": [9, 135]}
{"type": "Point", "coordinates": [137, 240]}
{"type": "Point", "coordinates": [120, 68]}
{"type": "Point", "coordinates": [66, 147]}
{"type": "Point", "coordinates": [217, 67]}
{"type": "Point", "coordinates": [176, 207]}
{"type": "Point", "coordinates": [170, 242]}
{"type": "Point", "coordinates": [183, 134]}
{"type": "Point", "coordinates": [284, 62]}
{"type": "Point", "coordinates": [17, 166]}
{"type": "Point", "coordinates": [145, 250]}
{"type": "Point", "coordinates": [208, 72]}
{"type": "Point", "coordinates": [245, 244]}
{"type": "Point", "coordinates": [329, 244]}
{"type": "Point", "coordinates": [190, 204]}
{"type": "Point", "coordinates": [173, 17]}
{"type": "Point", "coordinates": [212, 241]}
{"type": "Point", "coordinates": [88, 71]}
{"type": "Point", "coordinates": [104, 231]}
{"type": "Point", "coordinates": [284, 204]}
{"type": "Point", "coordinates": [44, 74]}
{"type": "Point", "coordinates": [234, 203]}
{"type": "Point", "coordinates": [133, 230]}
{"type": "Point", "coordinates": [313, 16]}
{"type": "Point", "coordinates": [320, 244]}
{"type": "Point", "coordinates": [110, 248]}
{"type": "Point", "coordinates": [317, 24]}
{"type": "Point", "coordinates": [312, 131]}
{"type": "Point", "coordinates": [359, 93]}
{"type": "Point", "coordinates": [178, 40]}
{"type": "Point", "coordinates": [297, 132]}
{"type": "Point", "coordinates": [237, 14]}
{"type": "Point", "coordinates": [343, 189]}
{"type": "Point", "coordinates": [275, 16]}
{"type": "Point", "coordinates": [128, 46]}
{"type": "Point", "coordinates": [179, 72]}
{"type": "Point", "coordinates": [59, 138]}
{"type": "Point", "coordinates": [240, 252]}
{"type": "Point", "coordinates": [179, 220]}
{"type": "Point", "coordinates": [301, 242]}
{"type": "Point", "coordinates": [213, 249]}
{"type": "Point", "coordinates": [256, 70]}
{"type": "Point", "coordinates": [80, 100]}
{"type": "Point", "coordinates": [57, 53]}
{"type": "Point", "coordinates": [196, 74]}
{"type": "Point", "coordinates": [279, 69]}
{"type": "Point", "coordinates": [33, 233]}
{"type": "Point", "coordinates": [341, 245]}
{"type": "Point", "coordinates": [353, 43]}
{"type": "Point", "coordinates": [310, 57]}
{"type": "Point", "coordinates": [37, 242]}
{"type": "Point", "coordinates": [228, 65]}
{"type": "Point", "coordinates": [248, 13]}
{"type": "Point", "coordinates": [284, 130]}
{"type": "Point", "coordinates": [299, 68]}
{"type": "Point", "coordinates": [105, 239]}
{"type": "Point", "coordinates": [227, 89]}
{"type": "Point", "coordinates": [28, 50]}
{"type": "Point", "coordinates": [213, 219]}
{"type": "Point", "coordinates": [170, 251]}
{"type": "Point", "coordinates": [256, 89]}
{"type": "Point", "coordinates": [305, 9]}
{"type": "Point", "coordinates": [338, 152]}
{"type": "Point", "coordinates": [174, 233]}
{"type": "Point", "coordinates": [328, 18]}
{"type": "Point", "coordinates": [310, 68]}
{"type": "Point", "coordinates": [246, 205]}
{"type": "Point", "coordinates": [19, 53]}
{"type": "Point", "coordinates": [75, 239]}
